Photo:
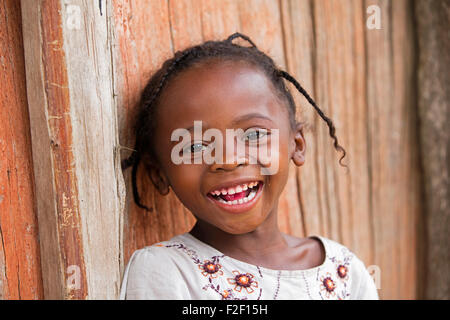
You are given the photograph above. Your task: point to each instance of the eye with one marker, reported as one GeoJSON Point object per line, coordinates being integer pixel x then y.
{"type": "Point", "coordinates": [253, 135]}
{"type": "Point", "coordinates": [195, 148]}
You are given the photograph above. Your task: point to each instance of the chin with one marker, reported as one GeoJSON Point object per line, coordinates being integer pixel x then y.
{"type": "Point", "coordinates": [242, 227]}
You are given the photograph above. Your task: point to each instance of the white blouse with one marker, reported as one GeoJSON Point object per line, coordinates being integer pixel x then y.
{"type": "Point", "coordinates": [186, 268]}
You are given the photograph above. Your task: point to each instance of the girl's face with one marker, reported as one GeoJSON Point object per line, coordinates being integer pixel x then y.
{"type": "Point", "coordinates": [227, 95]}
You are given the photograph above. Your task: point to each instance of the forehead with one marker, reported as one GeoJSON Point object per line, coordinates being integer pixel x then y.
{"type": "Point", "coordinates": [218, 92]}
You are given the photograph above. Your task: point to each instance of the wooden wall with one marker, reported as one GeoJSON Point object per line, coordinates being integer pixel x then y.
{"type": "Point", "coordinates": [433, 20]}
{"type": "Point", "coordinates": [20, 269]}
{"type": "Point", "coordinates": [86, 64]}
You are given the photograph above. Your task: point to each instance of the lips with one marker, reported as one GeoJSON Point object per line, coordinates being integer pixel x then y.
{"type": "Point", "coordinates": [237, 198]}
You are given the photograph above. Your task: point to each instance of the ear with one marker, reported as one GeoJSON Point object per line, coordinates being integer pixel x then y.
{"type": "Point", "coordinates": [298, 154]}
{"type": "Point", "coordinates": [157, 176]}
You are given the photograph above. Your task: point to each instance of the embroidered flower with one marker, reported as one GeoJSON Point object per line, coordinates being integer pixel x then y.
{"type": "Point", "coordinates": [327, 285]}
{"type": "Point", "coordinates": [226, 294]}
{"type": "Point", "coordinates": [342, 271]}
{"type": "Point", "coordinates": [211, 269]}
{"type": "Point", "coordinates": [243, 280]}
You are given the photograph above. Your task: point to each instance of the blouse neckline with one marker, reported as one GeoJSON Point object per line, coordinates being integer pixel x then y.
{"type": "Point", "coordinates": [275, 272]}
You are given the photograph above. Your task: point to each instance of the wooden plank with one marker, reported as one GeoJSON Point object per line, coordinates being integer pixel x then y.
{"type": "Point", "coordinates": [408, 169]}
{"type": "Point", "coordinates": [74, 136]}
{"type": "Point", "coordinates": [340, 72]}
{"type": "Point", "coordinates": [20, 268]}
{"type": "Point", "coordinates": [394, 170]}
{"type": "Point", "coordinates": [380, 106]}
{"type": "Point", "coordinates": [41, 144]}
{"type": "Point", "coordinates": [432, 21]}
{"type": "Point", "coordinates": [220, 18]}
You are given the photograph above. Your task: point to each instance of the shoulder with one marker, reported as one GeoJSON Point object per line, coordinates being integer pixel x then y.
{"type": "Point", "coordinates": [148, 255]}
{"type": "Point", "coordinates": [149, 262]}
{"type": "Point", "coordinates": [154, 272]}
{"type": "Point", "coordinates": [349, 267]}
{"type": "Point", "coordinates": [335, 250]}
{"type": "Point", "coordinates": [159, 254]}
{"type": "Point", "coordinates": [339, 254]}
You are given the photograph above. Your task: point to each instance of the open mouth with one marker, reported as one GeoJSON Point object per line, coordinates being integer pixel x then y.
{"type": "Point", "coordinates": [241, 196]}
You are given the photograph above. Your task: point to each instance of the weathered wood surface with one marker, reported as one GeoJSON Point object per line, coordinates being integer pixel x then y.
{"type": "Point", "coordinates": [433, 21]}
{"type": "Point", "coordinates": [20, 269]}
{"type": "Point", "coordinates": [70, 88]}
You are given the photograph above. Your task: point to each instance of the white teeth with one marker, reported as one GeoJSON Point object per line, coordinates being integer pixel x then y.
{"type": "Point", "coordinates": [240, 201]}
{"type": "Point", "coordinates": [251, 195]}
{"type": "Point", "coordinates": [234, 190]}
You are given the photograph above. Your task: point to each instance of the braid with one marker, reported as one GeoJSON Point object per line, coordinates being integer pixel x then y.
{"type": "Point", "coordinates": [330, 124]}
{"type": "Point", "coordinates": [221, 50]}
{"type": "Point", "coordinates": [239, 35]}
{"type": "Point", "coordinates": [135, 158]}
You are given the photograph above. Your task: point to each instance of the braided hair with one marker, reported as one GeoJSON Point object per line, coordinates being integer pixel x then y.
{"type": "Point", "coordinates": [224, 50]}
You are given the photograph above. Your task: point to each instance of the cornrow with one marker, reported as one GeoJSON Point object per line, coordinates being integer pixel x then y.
{"type": "Point", "coordinates": [182, 60]}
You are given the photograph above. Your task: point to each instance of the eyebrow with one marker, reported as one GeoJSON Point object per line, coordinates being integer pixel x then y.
{"type": "Point", "coordinates": [250, 116]}
{"type": "Point", "coordinates": [241, 119]}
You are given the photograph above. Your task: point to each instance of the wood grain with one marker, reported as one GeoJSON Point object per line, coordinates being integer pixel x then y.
{"type": "Point", "coordinates": [20, 268]}
{"type": "Point", "coordinates": [56, 183]}
{"type": "Point", "coordinates": [394, 187]}
{"type": "Point", "coordinates": [432, 19]}
{"type": "Point", "coordinates": [74, 137]}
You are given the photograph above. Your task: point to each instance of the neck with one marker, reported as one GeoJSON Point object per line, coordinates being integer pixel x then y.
{"type": "Point", "coordinates": [264, 240]}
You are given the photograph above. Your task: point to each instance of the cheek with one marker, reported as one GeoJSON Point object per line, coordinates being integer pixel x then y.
{"type": "Point", "coordinates": [185, 181]}
{"type": "Point", "coordinates": [275, 158]}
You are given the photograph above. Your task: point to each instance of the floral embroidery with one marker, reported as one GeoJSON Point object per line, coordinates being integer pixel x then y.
{"type": "Point", "coordinates": [342, 272]}
{"type": "Point", "coordinates": [226, 294]}
{"type": "Point", "coordinates": [328, 285]}
{"type": "Point", "coordinates": [332, 281]}
{"type": "Point", "coordinates": [191, 253]}
{"type": "Point", "coordinates": [211, 269]}
{"type": "Point", "coordinates": [243, 280]}
{"type": "Point", "coordinates": [336, 285]}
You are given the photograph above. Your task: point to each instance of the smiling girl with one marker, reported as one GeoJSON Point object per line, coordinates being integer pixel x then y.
{"type": "Point", "coordinates": [235, 250]}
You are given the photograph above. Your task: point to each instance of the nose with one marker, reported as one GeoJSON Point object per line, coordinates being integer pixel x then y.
{"type": "Point", "coordinates": [232, 159]}
{"type": "Point", "coordinates": [229, 166]}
